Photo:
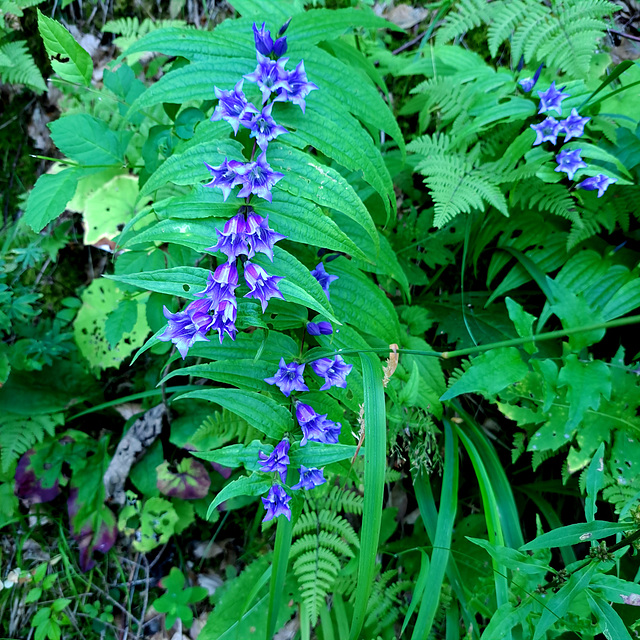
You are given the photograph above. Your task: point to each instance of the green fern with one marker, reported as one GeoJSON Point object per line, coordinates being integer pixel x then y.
{"type": "Point", "coordinates": [16, 7]}
{"type": "Point", "coordinates": [17, 67]}
{"type": "Point", "coordinates": [553, 198]}
{"type": "Point", "coordinates": [130, 29]}
{"type": "Point", "coordinates": [19, 433]}
{"type": "Point", "coordinates": [220, 428]}
{"type": "Point", "coordinates": [456, 185]}
{"type": "Point", "coordinates": [385, 604]}
{"type": "Point", "coordinates": [469, 15]}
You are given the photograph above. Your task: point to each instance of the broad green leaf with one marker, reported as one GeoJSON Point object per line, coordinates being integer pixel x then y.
{"type": "Point", "coordinates": [120, 321]}
{"type": "Point", "coordinates": [195, 234]}
{"type": "Point", "coordinates": [202, 202]}
{"type": "Point", "coordinates": [361, 303]}
{"type": "Point", "coordinates": [88, 140]}
{"type": "Point", "coordinates": [489, 373]}
{"type": "Point", "coordinates": [512, 558]}
{"type": "Point", "coordinates": [178, 281]}
{"type": "Point", "coordinates": [244, 373]}
{"type": "Point", "coordinates": [275, 13]}
{"type": "Point", "coordinates": [190, 481]}
{"type": "Point", "coordinates": [326, 126]}
{"type": "Point", "coordinates": [109, 208]}
{"type": "Point", "coordinates": [506, 619]}
{"type": "Point", "coordinates": [616, 589]}
{"type": "Point", "coordinates": [49, 197]}
{"type": "Point", "coordinates": [577, 533]}
{"type": "Point", "coordinates": [317, 454]}
{"type": "Point", "coordinates": [304, 222]}
{"type": "Point", "coordinates": [236, 455]}
{"type": "Point", "coordinates": [245, 486]}
{"type": "Point", "coordinates": [298, 285]}
{"type": "Point", "coordinates": [523, 322]}
{"type": "Point", "coordinates": [68, 59]}
{"type": "Point", "coordinates": [260, 411]}
{"type": "Point", "coordinates": [586, 382]}
{"type": "Point", "coordinates": [305, 177]}
{"type": "Point", "coordinates": [613, 627]}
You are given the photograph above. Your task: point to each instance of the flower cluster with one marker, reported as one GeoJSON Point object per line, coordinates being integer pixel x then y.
{"type": "Point", "coordinates": [246, 233]}
{"type": "Point", "coordinates": [314, 426]}
{"type": "Point", "coordinates": [572, 126]}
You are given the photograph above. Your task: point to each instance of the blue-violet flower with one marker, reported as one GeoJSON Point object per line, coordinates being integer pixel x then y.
{"type": "Point", "coordinates": [528, 83]}
{"type": "Point", "coordinates": [288, 377]}
{"type": "Point", "coordinates": [551, 99]}
{"type": "Point", "coordinates": [262, 286]}
{"type": "Point", "coordinates": [225, 318]}
{"type": "Point", "coordinates": [260, 236]}
{"type": "Point", "coordinates": [573, 125]}
{"type": "Point", "coordinates": [225, 176]}
{"type": "Point", "coordinates": [333, 371]}
{"type": "Point", "coordinates": [263, 127]}
{"type": "Point", "coordinates": [277, 503]}
{"type": "Point", "coordinates": [258, 178]}
{"type": "Point", "coordinates": [321, 328]}
{"type": "Point", "coordinates": [277, 461]}
{"type": "Point", "coordinates": [232, 106]}
{"type": "Point", "coordinates": [324, 278]}
{"type": "Point", "coordinates": [221, 285]}
{"type": "Point", "coordinates": [570, 162]}
{"type": "Point", "coordinates": [316, 427]}
{"type": "Point", "coordinates": [264, 42]}
{"type": "Point", "coordinates": [297, 87]}
{"type": "Point", "coordinates": [232, 240]}
{"type": "Point", "coordinates": [599, 182]}
{"type": "Point", "coordinates": [187, 327]}
{"type": "Point", "coordinates": [547, 130]}
{"type": "Point", "coordinates": [270, 75]}
{"type": "Point", "coordinates": [309, 478]}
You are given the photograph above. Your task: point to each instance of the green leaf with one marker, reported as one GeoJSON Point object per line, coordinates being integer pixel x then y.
{"type": "Point", "coordinates": [60, 604]}
{"type": "Point", "coordinates": [236, 455]}
{"type": "Point", "coordinates": [595, 482]}
{"type": "Point", "coordinates": [195, 234]}
{"type": "Point", "coordinates": [88, 140]}
{"type": "Point", "coordinates": [244, 373]}
{"type": "Point", "coordinates": [120, 321]}
{"type": "Point", "coordinates": [613, 627]}
{"type": "Point", "coordinates": [68, 59]}
{"type": "Point", "coordinates": [577, 533]}
{"type": "Point", "coordinates": [317, 454]}
{"type": "Point", "coordinates": [586, 382]}
{"type": "Point", "coordinates": [261, 412]}
{"type": "Point", "coordinates": [305, 177]}
{"type": "Point", "coordinates": [244, 486]}
{"type": "Point", "coordinates": [512, 558]}
{"type": "Point", "coordinates": [489, 373]}
{"type": "Point", "coordinates": [178, 281]}
{"type": "Point", "coordinates": [49, 197]}
{"type": "Point", "coordinates": [190, 481]}
{"type": "Point", "coordinates": [523, 323]}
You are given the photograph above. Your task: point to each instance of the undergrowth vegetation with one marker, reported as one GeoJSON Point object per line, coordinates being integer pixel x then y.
{"type": "Point", "coordinates": [317, 327]}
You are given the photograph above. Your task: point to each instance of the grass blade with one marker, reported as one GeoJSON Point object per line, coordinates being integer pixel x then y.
{"type": "Point", "coordinates": [444, 530]}
{"type": "Point", "coordinates": [284, 530]}
{"type": "Point", "coordinates": [416, 596]}
{"type": "Point", "coordinates": [374, 468]}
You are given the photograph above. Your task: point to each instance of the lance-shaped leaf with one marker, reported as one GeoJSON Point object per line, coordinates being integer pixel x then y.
{"type": "Point", "coordinates": [254, 485]}
{"type": "Point", "coordinates": [190, 482]}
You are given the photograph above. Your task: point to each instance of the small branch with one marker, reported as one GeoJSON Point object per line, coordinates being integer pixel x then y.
{"type": "Point", "coordinates": [628, 36]}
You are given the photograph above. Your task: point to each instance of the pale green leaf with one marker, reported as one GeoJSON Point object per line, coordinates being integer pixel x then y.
{"type": "Point", "coordinates": [49, 197]}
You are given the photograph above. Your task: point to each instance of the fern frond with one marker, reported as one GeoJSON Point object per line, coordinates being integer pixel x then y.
{"type": "Point", "coordinates": [21, 69]}
{"type": "Point", "coordinates": [16, 7]}
{"type": "Point", "coordinates": [469, 15]}
{"type": "Point", "coordinates": [548, 197]}
{"type": "Point", "coordinates": [220, 428]}
{"type": "Point", "coordinates": [506, 15]}
{"type": "Point", "coordinates": [19, 433]}
{"type": "Point", "coordinates": [327, 521]}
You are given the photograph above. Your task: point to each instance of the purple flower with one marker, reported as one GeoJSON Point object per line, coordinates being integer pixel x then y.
{"type": "Point", "coordinates": [258, 178]}
{"type": "Point", "coordinates": [309, 478]}
{"type": "Point", "coordinates": [570, 162]}
{"type": "Point", "coordinates": [528, 83]}
{"type": "Point", "coordinates": [551, 99]}
{"type": "Point", "coordinates": [599, 182]}
{"type": "Point", "coordinates": [573, 126]}
{"type": "Point", "coordinates": [277, 461]}
{"type": "Point", "coordinates": [232, 106]}
{"type": "Point", "coordinates": [232, 240]}
{"type": "Point", "coordinates": [546, 131]}
{"type": "Point", "coordinates": [324, 278]}
{"type": "Point", "coordinates": [333, 371]}
{"type": "Point", "coordinates": [260, 236]}
{"type": "Point", "coordinates": [221, 285]}
{"type": "Point", "coordinates": [187, 327]}
{"type": "Point", "coordinates": [270, 75]}
{"type": "Point", "coordinates": [264, 42]}
{"type": "Point", "coordinates": [262, 286]}
{"type": "Point", "coordinates": [225, 176]}
{"type": "Point", "coordinates": [277, 503]}
{"type": "Point", "coordinates": [297, 87]}
{"type": "Point", "coordinates": [316, 427]}
{"type": "Point", "coordinates": [225, 318]}
{"type": "Point", "coordinates": [263, 127]}
{"type": "Point", "coordinates": [322, 328]}
{"type": "Point", "coordinates": [288, 377]}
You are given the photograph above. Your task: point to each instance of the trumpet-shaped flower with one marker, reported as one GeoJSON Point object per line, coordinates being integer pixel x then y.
{"type": "Point", "coordinates": [258, 178]}
{"type": "Point", "coordinates": [187, 327]}
{"type": "Point", "coordinates": [316, 427]}
{"type": "Point", "coordinates": [528, 83]}
{"type": "Point", "coordinates": [232, 106]}
{"type": "Point", "coordinates": [221, 285]}
{"type": "Point", "coordinates": [321, 328]}
{"type": "Point", "coordinates": [599, 182]}
{"type": "Point", "coordinates": [269, 75]}
{"type": "Point", "coordinates": [225, 176]}
{"type": "Point", "coordinates": [569, 162]}
{"type": "Point", "coordinates": [551, 99]}
{"type": "Point", "coordinates": [309, 478]}
{"type": "Point", "coordinates": [277, 461]}
{"type": "Point", "coordinates": [334, 371]}
{"type": "Point", "coordinates": [263, 127]}
{"type": "Point", "coordinates": [277, 503]}
{"type": "Point", "coordinates": [232, 240]}
{"type": "Point", "coordinates": [547, 130]}
{"type": "Point", "coordinates": [262, 286]}
{"type": "Point", "coordinates": [573, 125]}
{"type": "Point", "coordinates": [265, 44]}
{"type": "Point", "coordinates": [324, 278]}
{"type": "Point", "coordinates": [297, 87]}
{"type": "Point", "coordinates": [288, 378]}
{"type": "Point", "coordinates": [261, 238]}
